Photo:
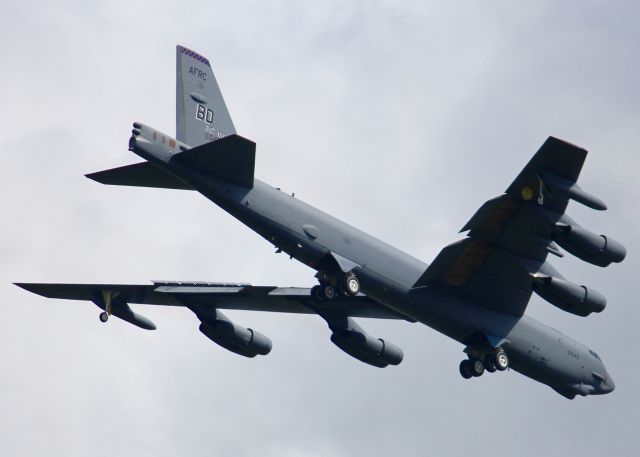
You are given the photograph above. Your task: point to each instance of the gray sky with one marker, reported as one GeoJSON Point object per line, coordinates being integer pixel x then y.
{"type": "Point", "coordinates": [401, 118]}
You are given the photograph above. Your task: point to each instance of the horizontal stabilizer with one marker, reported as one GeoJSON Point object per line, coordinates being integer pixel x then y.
{"type": "Point", "coordinates": [231, 159]}
{"type": "Point", "coordinates": [143, 174]}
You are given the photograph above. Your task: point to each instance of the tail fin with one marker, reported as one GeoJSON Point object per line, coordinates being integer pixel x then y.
{"type": "Point", "coordinates": [201, 114]}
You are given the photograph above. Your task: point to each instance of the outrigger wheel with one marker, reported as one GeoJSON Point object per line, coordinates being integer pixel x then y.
{"type": "Point", "coordinates": [107, 297]}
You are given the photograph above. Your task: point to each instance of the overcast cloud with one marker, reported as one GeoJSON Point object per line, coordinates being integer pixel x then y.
{"type": "Point", "coordinates": [401, 118]}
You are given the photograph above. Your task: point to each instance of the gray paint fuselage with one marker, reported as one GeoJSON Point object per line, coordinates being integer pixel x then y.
{"type": "Point", "coordinates": [387, 275]}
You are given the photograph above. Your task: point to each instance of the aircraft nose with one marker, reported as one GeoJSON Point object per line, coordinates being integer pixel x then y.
{"type": "Point", "coordinates": [608, 385]}
{"type": "Point", "coordinates": [604, 384]}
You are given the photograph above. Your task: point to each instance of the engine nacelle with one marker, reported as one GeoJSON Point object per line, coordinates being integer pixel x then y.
{"type": "Point", "coordinates": [596, 249]}
{"type": "Point", "coordinates": [575, 299]}
{"type": "Point", "coordinates": [242, 341]}
{"type": "Point", "coordinates": [367, 349]}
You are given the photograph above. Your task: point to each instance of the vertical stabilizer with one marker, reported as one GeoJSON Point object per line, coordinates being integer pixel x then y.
{"type": "Point", "coordinates": [201, 114]}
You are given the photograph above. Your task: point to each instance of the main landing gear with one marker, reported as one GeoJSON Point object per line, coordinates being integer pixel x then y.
{"type": "Point", "coordinates": [479, 361]}
{"type": "Point", "coordinates": [329, 287]}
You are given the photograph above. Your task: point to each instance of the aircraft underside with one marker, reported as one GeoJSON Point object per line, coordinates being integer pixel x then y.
{"type": "Point", "coordinates": [476, 290]}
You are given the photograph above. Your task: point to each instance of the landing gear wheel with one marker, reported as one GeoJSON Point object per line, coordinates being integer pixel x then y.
{"type": "Point", "coordinates": [465, 369]}
{"type": "Point", "coordinates": [104, 317]}
{"type": "Point", "coordinates": [328, 291]}
{"type": "Point", "coordinates": [477, 368]}
{"type": "Point", "coordinates": [316, 292]}
{"type": "Point", "coordinates": [501, 360]}
{"type": "Point", "coordinates": [489, 364]}
{"type": "Point", "coordinates": [352, 285]}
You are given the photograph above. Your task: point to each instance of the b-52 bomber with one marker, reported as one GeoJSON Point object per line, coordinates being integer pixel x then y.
{"type": "Point", "coordinates": [476, 290]}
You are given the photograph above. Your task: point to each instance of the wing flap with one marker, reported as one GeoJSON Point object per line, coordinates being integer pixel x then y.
{"type": "Point", "coordinates": [484, 273]}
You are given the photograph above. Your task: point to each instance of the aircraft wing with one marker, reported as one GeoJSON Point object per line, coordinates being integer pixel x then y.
{"type": "Point", "coordinates": [216, 296]}
{"type": "Point", "coordinates": [510, 236]}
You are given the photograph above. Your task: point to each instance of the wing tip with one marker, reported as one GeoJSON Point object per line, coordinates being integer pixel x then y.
{"type": "Point", "coordinates": [560, 141]}
{"type": "Point", "coordinates": [30, 287]}
{"type": "Point", "coordinates": [94, 176]}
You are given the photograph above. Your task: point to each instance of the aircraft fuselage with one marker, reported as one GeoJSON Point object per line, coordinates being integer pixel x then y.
{"type": "Point", "coordinates": [387, 275]}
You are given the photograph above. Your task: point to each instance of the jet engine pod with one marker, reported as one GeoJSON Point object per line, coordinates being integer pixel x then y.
{"type": "Point", "coordinates": [579, 300]}
{"type": "Point", "coordinates": [242, 341]}
{"type": "Point", "coordinates": [367, 349]}
{"type": "Point", "coordinates": [596, 249]}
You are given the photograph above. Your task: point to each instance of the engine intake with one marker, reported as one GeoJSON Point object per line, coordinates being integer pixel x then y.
{"type": "Point", "coordinates": [235, 338]}
{"type": "Point", "coordinates": [570, 297]}
{"type": "Point", "coordinates": [596, 249]}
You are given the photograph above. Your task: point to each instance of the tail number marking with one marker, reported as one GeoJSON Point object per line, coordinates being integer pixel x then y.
{"type": "Point", "coordinates": [204, 114]}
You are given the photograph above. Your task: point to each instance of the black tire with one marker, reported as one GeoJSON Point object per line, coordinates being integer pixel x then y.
{"type": "Point", "coordinates": [465, 371]}
{"type": "Point", "coordinates": [316, 292]}
{"type": "Point", "coordinates": [501, 360]}
{"type": "Point", "coordinates": [352, 285]}
{"type": "Point", "coordinates": [489, 364]}
{"type": "Point", "coordinates": [477, 368]}
{"type": "Point", "coordinates": [104, 317]}
{"type": "Point", "coordinates": [328, 291]}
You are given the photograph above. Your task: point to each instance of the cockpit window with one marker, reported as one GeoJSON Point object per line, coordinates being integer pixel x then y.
{"type": "Point", "coordinates": [594, 354]}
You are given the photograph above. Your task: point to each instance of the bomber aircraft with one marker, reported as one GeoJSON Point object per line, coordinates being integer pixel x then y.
{"type": "Point", "coordinates": [476, 290]}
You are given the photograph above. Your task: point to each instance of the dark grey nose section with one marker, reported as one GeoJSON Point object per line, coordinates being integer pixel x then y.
{"type": "Point", "coordinates": [604, 383]}
{"type": "Point", "coordinates": [607, 386]}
